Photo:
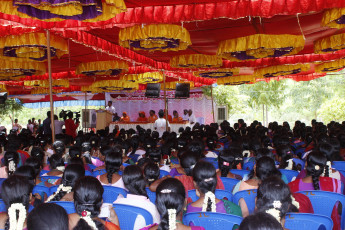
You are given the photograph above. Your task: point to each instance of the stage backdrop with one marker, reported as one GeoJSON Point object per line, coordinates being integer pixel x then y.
{"type": "Point", "coordinates": [132, 104]}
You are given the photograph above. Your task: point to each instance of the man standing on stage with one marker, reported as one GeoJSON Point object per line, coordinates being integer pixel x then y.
{"type": "Point", "coordinates": [185, 116]}
{"type": "Point", "coordinates": [191, 118]}
{"type": "Point", "coordinates": [160, 123]}
{"type": "Point", "coordinates": [110, 108]}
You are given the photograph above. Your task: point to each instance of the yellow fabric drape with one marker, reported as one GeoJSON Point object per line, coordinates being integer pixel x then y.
{"type": "Point", "coordinates": [260, 45]}
{"type": "Point", "coordinates": [33, 45]}
{"type": "Point", "coordinates": [16, 69]}
{"type": "Point", "coordinates": [45, 83]}
{"type": "Point", "coordinates": [104, 67]}
{"type": "Point", "coordinates": [330, 17]}
{"type": "Point", "coordinates": [217, 73]}
{"type": "Point", "coordinates": [143, 78]}
{"type": "Point", "coordinates": [236, 80]}
{"type": "Point", "coordinates": [196, 61]}
{"type": "Point", "coordinates": [109, 86]}
{"type": "Point", "coordinates": [281, 70]}
{"type": "Point", "coordinates": [172, 85]}
{"type": "Point", "coordinates": [155, 36]}
{"type": "Point", "coordinates": [330, 44]}
{"type": "Point", "coordinates": [332, 66]}
{"type": "Point", "coordinates": [110, 8]}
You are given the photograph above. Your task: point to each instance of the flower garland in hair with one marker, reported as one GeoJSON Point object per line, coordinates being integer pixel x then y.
{"type": "Point", "coordinates": [61, 168]}
{"type": "Point", "coordinates": [209, 195]}
{"type": "Point", "coordinates": [294, 202]}
{"type": "Point", "coordinates": [290, 164]}
{"type": "Point", "coordinates": [246, 153]}
{"type": "Point", "coordinates": [172, 219]}
{"type": "Point", "coordinates": [86, 215]}
{"type": "Point", "coordinates": [330, 172]}
{"type": "Point", "coordinates": [61, 187]}
{"type": "Point", "coordinates": [12, 215]}
{"type": "Point", "coordinates": [11, 166]}
{"type": "Point", "coordinates": [275, 212]}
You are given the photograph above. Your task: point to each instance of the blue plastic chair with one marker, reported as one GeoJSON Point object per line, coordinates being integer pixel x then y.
{"type": "Point", "coordinates": [338, 165]}
{"type": "Point", "coordinates": [240, 172]}
{"type": "Point", "coordinates": [127, 215]}
{"type": "Point", "coordinates": [220, 194]}
{"type": "Point", "coordinates": [152, 195]}
{"type": "Point", "coordinates": [248, 196]}
{"type": "Point", "coordinates": [290, 174]}
{"type": "Point", "coordinates": [213, 161]}
{"type": "Point", "coordinates": [248, 165]}
{"type": "Point", "coordinates": [299, 162]}
{"type": "Point", "coordinates": [45, 178]}
{"type": "Point", "coordinates": [67, 205]}
{"type": "Point", "coordinates": [88, 173]}
{"type": "Point", "coordinates": [1, 181]}
{"type": "Point", "coordinates": [2, 206]}
{"type": "Point", "coordinates": [323, 203]}
{"type": "Point", "coordinates": [229, 183]}
{"type": "Point", "coordinates": [111, 193]}
{"type": "Point", "coordinates": [41, 190]}
{"type": "Point", "coordinates": [212, 220]}
{"type": "Point", "coordinates": [341, 171]}
{"type": "Point", "coordinates": [307, 221]}
{"type": "Point", "coordinates": [98, 172]}
{"type": "Point", "coordinates": [91, 166]}
{"type": "Point", "coordinates": [163, 173]}
{"type": "Point", "coordinates": [53, 189]}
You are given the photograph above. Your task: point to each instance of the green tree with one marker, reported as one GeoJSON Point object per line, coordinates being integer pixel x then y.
{"type": "Point", "coordinates": [9, 107]}
{"type": "Point", "coordinates": [333, 110]}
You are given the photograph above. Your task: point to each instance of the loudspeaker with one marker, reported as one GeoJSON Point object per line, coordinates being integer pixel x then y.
{"type": "Point", "coordinates": [3, 97]}
{"type": "Point", "coordinates": [153, 90]}
{"type": "Point", "coordinates": [182, 90]}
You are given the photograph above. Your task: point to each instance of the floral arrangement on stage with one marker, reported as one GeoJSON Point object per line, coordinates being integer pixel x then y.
{"type": "Point", "coordinates": [32, 46]}
{"type": "Point", "coordinates": [219, 73]}
{"type": "Point", "coordinates": [56, 10]}
{"type": "Point", "coordinates": [330, 44]}
{"type": "Point", "coordinates": [10, 70]}
{"type": "Point", "coordinates": [281, 70]}
{"type": "Point", "coordinates": [260, 46]}
{"type": "Point", "coordinates": [334, 18]}
{"type": "Point", "coordinates": [236, 80]}
{"type": "Point", "coordinates": [196, 61]}
{"type": "Point", "coordinates": [110, 68]}
{"type": "Point", "coordinates": [159, 37]}
{"type": "Point", "coordinates": [332, 66]}
{"type": "Point", "coordinates": [143, 78]}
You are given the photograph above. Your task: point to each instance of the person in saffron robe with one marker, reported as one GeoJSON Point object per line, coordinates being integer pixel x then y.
{"type": "Point", "coordinates": [142, 117]}
{"type": "Point", "coordinates": [153, 117]}
{"type": "Point", "coordinates": [169, 117]}
{"type": "Point", "coordinates": [125, 117]}
{"type": "Point", "coordinates": [176, 117]}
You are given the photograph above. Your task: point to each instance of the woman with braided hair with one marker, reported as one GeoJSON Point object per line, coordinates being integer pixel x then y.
{"type": "Point", "coordinates": [11, 159]}
{"type": "Point", "coordinates": [113, 162]}
{"type": "Point", "coordinates": [65, 190]}
{"type": "Point", "coordinates": [88, 200]}
{"type": "Point", "coordinates": [170, 203]}
{"type": "Point", "coordinates": [15, 192]}
{"type": "Point", "coordinates": [205, 181]}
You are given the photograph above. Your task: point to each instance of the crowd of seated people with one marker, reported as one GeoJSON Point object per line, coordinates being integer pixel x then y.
{"type": "Point", "coordinates": [185, 171]}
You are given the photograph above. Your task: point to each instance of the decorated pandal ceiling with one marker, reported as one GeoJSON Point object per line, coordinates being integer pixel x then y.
{"type": "Point", "coordinates": [117, 45]}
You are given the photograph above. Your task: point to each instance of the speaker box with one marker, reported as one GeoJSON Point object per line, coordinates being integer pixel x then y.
{"type": "Point", "coordinates": [182, 90]}
{"type": "Point", "coordinates": [153, 90]}
{"type": "Point", "coordinates": [3, 97]}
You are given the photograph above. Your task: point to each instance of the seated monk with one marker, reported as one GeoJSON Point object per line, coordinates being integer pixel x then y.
{"type": "Point", "coordinates": [153, 117]}
{"type": "Point", "coordinates": [125, 117]}
{"type": "Point", "coordinates": [142, 117]}
{"type": "Point", "coordinates": [176, 118]}
{"type": "Point", "coordinates": [169, 117]}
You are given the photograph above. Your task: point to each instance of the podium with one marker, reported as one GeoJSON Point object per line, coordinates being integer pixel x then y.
{"type": "Point", "coordinates": [104, 118]}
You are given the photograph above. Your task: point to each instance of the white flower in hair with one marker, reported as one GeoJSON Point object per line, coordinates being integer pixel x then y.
{"type": "Point", "coordinates": [294, 202]}
{"type": "Point", "coordinates": [166, 191]}
{"type": "Point", "coordinates": [11, 166]}
{"type": "Point", "coordinates": [246, 153]}
{"type": "Point", "coordinates": [212, 197]}
{"type": "Point", "coordinates": [61, 187]}
{"type": "Point", "coordinates": [172, 219]}
{"type": "Point", "coordinates": [192, 166]}
{"type": "Point", "coordinates": [86, 215]}
{"type": "Point", "coordinates": [317, 167]}
{"type": "Point", "coordinates": [277, 204]}
{"type": "Point", "coordinates": [12, 215]}
{"type": "Point", "coordinates": [290, 164]}
{"type": "Point", "coordinates": [275, 213]}
{"type": "Point", "coordinates": [61, 168]}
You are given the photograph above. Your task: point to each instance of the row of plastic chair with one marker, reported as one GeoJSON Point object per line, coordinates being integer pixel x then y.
{"type": "Point", "coordinates": [293, 221]}
{"type": "Point", "coordinates": [109, 196]}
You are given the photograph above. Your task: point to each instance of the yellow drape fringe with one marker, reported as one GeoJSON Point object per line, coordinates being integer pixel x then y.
{"type": "Point", "coordinates": [196, 61]}
{"type": "Point", "coordinates": [146, 33]}
{"type": "Point", "coordinates": [280, 70]}
{"type": "Point", "coordinates": [172, 85]}
{"type": "Point", "coordinates": [104, 66]}
{"type": "Point", "coordinates": [236, 80]}
{"type": "Point", "coordinates": [334, 42]}
{"type": "Point", "coordinates": [260, 45]}
{"type": "Point", "coordinates": [218, 72]}
{"type": "Point", "coordinates": [330, 16]}
{"type": "Point", "coordinates": [143, 78]}
{"type": "Point", "coordinates": [9, 68]}
{"type": "Point", "coordinates": [332, 66]}
{"type": "Point", "coordinates": [45, 83]}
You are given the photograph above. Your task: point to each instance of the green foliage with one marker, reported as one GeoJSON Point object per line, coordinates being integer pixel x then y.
{"type": "Point", "coordinates": [333, 110]}
{"type": "Point", "coordinates": [10, 107]}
